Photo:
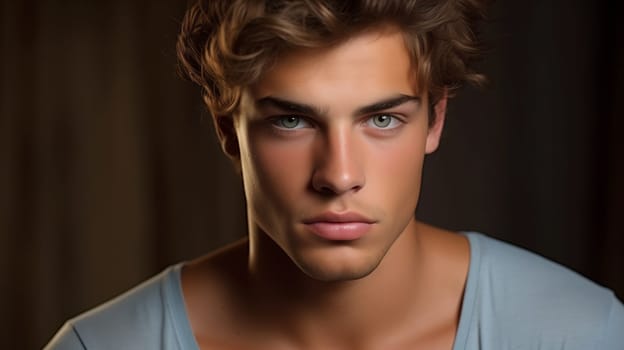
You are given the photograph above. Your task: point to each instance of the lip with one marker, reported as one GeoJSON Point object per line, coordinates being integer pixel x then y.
{"type": "Point", "coordinates": [334, 217]}
{"type": "Point", "coordinates": [333, 226]}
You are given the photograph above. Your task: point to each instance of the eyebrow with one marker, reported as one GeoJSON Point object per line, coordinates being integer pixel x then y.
{"type": "Point", "coordinates": [288, 106]}
{"type": "Point", "coordinates": [296, 107]}
{"type": "Point", "coordinates": [387, 104]}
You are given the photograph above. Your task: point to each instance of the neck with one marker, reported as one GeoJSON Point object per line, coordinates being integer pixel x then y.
{"type": "Point", "coordinates": [394, 296]}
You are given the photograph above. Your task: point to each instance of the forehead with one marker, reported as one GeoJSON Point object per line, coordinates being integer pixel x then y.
{"type": "Point", "coordinates": [365, 67]}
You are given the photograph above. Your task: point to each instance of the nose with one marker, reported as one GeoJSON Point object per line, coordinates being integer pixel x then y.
{"type": "Point", "coordinates": [338, 167]}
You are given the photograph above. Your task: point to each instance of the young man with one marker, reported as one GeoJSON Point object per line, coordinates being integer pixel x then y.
{"type": "Point", "coordinates": [328, 109]}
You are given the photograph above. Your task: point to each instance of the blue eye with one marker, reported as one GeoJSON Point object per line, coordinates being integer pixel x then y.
{"type": "Point", "coordinates": [383, 121]}
{"type": "Point", "coordinates": [290, 122]}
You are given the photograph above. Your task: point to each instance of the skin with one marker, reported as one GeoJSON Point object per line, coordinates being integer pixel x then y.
{"type": "Point", "coordinates": [314, 138]}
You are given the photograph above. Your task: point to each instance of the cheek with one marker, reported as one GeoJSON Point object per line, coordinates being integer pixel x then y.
{"type": "Point", "coordinates": [399, 170]}
{"type": "Point", "coordinates": [403, 169]}
{"type": "Point", "coordinates": [280, 170]}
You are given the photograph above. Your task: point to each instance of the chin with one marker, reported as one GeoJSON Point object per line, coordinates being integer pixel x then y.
{"type": "Point", "coordinates": [345, 267]}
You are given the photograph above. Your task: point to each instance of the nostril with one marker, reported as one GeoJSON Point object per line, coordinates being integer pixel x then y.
{"type": "Point", "coordinates": [325, 190]}
{"type": "Point", "coordinates": [323, 187]}
{"type": "Point", "coordinates": [329, 188]}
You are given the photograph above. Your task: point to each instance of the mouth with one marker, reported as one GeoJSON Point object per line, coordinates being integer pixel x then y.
{"type": "Point", "coordinates": [332, 226]}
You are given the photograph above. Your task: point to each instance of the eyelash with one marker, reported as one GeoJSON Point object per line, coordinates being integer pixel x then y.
{"type": "Point", "coordinates": [276, 120]}
{"type": "Point", "coordinates": [368, 121]}
{"type": "Point", "coordinates": [395, 121]}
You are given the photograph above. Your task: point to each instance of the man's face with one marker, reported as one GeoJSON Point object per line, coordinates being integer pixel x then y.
{"type": "Point", "coordinates": [332, 152]}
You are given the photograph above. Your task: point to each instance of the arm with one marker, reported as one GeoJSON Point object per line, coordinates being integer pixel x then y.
{"type": "Point", "coordinates": [613, 338]}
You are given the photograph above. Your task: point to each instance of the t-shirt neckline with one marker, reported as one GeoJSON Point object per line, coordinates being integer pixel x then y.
{"type": "Point", "coordinates": [174, 299]}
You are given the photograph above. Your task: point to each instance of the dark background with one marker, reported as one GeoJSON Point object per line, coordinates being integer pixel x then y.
{"type": "Point", "coordinates": [109, 170]}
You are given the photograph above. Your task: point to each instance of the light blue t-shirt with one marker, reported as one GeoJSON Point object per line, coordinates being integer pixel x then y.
{"type": "Point", "coordinates": [514, 299]}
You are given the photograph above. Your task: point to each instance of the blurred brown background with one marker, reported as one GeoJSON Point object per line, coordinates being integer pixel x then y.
{"type": "Point", "coordinates": [109, 170]}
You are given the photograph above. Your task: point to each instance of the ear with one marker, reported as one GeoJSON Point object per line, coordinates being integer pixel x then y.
{"type": "Point", "coordinates": [227, 136]}
{"type": "Point", "coordinates": [435, 129]}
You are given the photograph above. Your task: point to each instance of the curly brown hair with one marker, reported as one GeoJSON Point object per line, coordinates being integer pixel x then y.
{"type": "Point", "coordinates": [226, 45]}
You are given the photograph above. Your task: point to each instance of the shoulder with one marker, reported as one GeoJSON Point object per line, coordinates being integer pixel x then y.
{"type": "Point", "coordinates": [525, 296]}
{"type": "Point", "coordinates": [146, 313]}
{"type": "Point", "coordinates": [527, 272]}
